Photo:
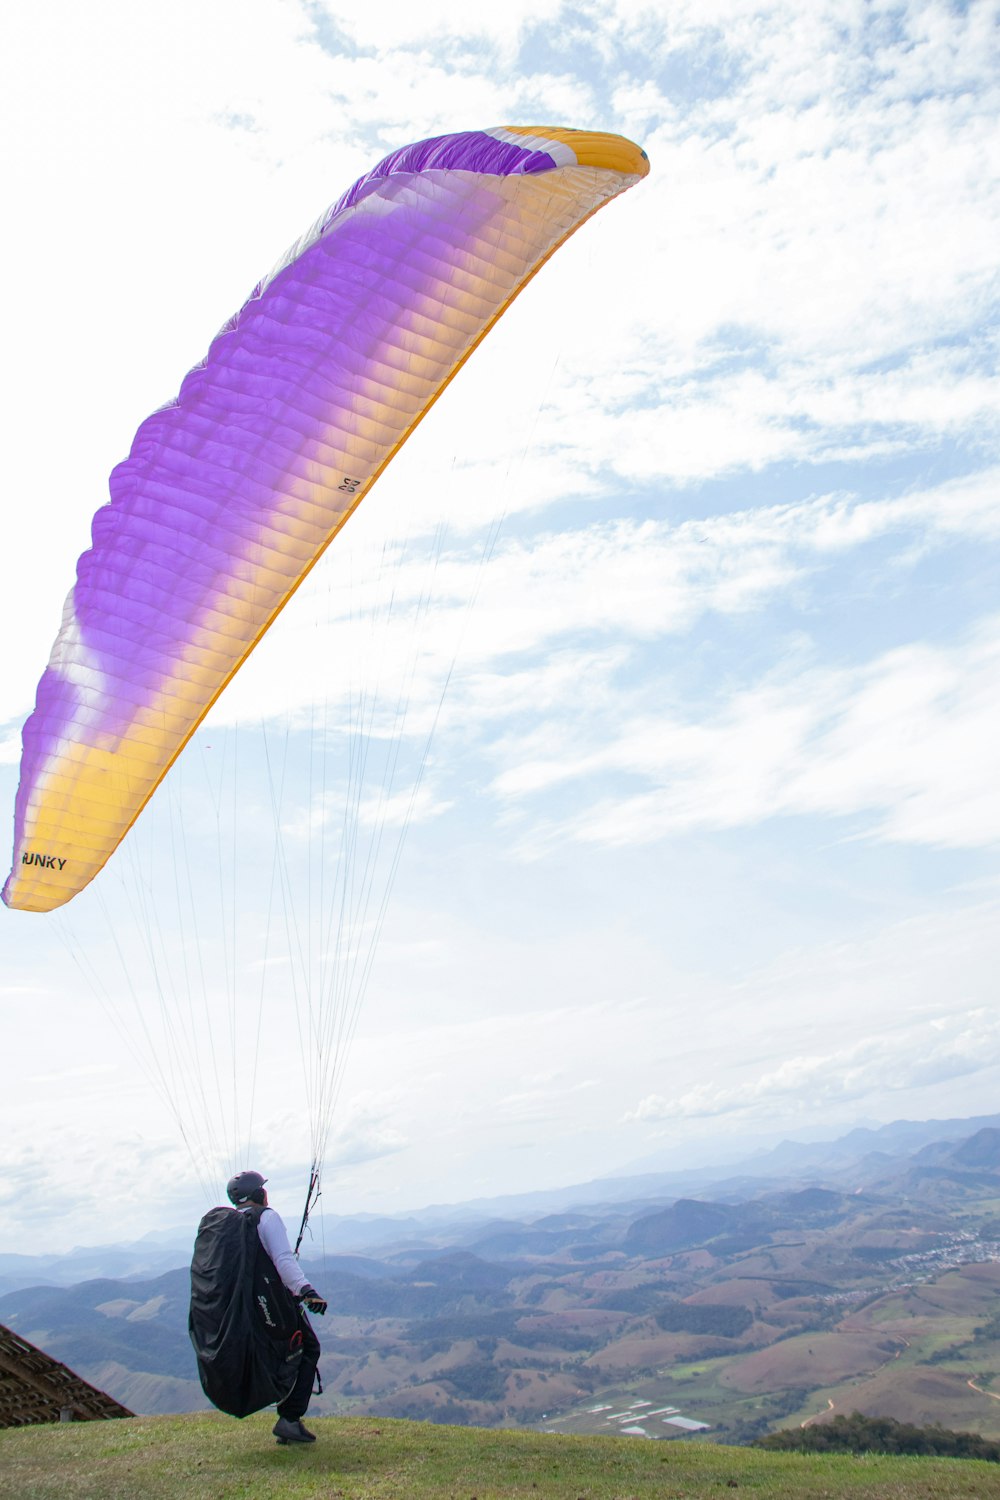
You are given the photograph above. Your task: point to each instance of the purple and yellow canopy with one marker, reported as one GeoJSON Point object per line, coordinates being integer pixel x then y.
{"type": "Point", "coordinates": [234, 490]}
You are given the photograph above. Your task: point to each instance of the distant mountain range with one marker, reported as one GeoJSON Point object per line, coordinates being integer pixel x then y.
{"type": "Point", "coordinates": [858, 1154]}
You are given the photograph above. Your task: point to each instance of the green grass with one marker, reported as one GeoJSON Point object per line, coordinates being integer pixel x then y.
{"type": "Point", "coordinates": [209, 1457]}
{"type": "Point", "coordinates": [696, 1369]}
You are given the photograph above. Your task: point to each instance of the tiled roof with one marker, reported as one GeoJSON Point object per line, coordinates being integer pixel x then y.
{"type": "Point", "coordinates": [34, 1387]}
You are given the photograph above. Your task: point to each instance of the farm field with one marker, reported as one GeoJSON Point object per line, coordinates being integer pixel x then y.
{"type": "Point", "coordinates": [918, 1354]}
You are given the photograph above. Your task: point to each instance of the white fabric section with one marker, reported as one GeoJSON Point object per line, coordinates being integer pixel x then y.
{"type": "Point", "coordinates": [560, 153]}
{"type": "Point", "coordinates": [274, 1238]}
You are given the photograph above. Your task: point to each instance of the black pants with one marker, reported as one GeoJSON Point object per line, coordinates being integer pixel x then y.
{"type": "Point", "coordinates": [297, 1401]}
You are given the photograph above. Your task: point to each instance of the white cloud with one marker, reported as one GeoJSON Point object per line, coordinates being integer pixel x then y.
{"type": "Point", "coordinates": [449, 25]}
{"type": "Point", "coordinates": [827, 225]}
{"type": "Point", "coordinates": [63, 1075]}
{"type": "Point", "coordinates": [138, 1183]}
{"type": "Point", "coordinates": [403, 808]}
{"type": "Point", "coordinates": [906, 741]}
{"type": "Point", "coordinates": [942, 1049]}
{"type": "Point", "coordinates": [614, 582]}
{"type": "Point", "coordinates": [366, 1132]}
{"type": "Point", "coordinates": [541, 1104]}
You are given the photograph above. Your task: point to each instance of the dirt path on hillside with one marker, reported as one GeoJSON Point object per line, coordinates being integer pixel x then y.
{"type": "Point", "coordinates": [973, 1386]}
{"type": "Point", "coordinates": [816, 1415]}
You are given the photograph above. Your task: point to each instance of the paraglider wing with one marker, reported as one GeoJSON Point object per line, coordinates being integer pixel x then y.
{"type": "Point", "coordinates": [233, 491]}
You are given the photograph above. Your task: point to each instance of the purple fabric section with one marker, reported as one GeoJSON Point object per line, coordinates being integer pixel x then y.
{"type": "Point", "coordinates": [206, 485]}
{"type": "Point", "coordinates": [471, 151]}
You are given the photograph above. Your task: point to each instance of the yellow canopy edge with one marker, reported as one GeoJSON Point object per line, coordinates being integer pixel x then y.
{"type": "Point", "coordinates": [592, 148]}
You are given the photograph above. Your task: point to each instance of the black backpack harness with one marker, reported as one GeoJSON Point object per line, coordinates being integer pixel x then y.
{"type": "Point", "coordinates": [244, 1323]}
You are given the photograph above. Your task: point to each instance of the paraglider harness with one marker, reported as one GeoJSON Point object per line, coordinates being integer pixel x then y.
{"type": "Point", "coordinates": [244, 1323]}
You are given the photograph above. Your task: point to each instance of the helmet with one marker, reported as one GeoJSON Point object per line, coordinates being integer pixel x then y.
{"type": "Point", "coordinates": [246, 1187]}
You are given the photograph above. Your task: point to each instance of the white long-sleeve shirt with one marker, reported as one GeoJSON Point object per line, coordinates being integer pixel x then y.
{"type": "Point", "coordinates": [274, 1238]}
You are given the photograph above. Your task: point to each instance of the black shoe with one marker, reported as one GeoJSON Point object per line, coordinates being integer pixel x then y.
{"type": "Point", "coordinates": [292, 1432]}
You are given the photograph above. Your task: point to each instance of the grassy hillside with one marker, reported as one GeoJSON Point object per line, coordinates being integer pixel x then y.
{"type": "Point", "coordinates": [209, 1457]}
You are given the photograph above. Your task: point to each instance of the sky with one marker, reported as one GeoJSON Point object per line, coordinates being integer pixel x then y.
{"type": "Point", "coordinates": [687, 841]}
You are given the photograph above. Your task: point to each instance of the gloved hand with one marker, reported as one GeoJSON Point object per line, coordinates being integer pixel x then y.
{"type": "Point", "coordinates": [311, 1300]}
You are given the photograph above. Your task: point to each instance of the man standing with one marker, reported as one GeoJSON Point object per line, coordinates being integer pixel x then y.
{"type": "Point", "coordinates": [246, 1191]}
